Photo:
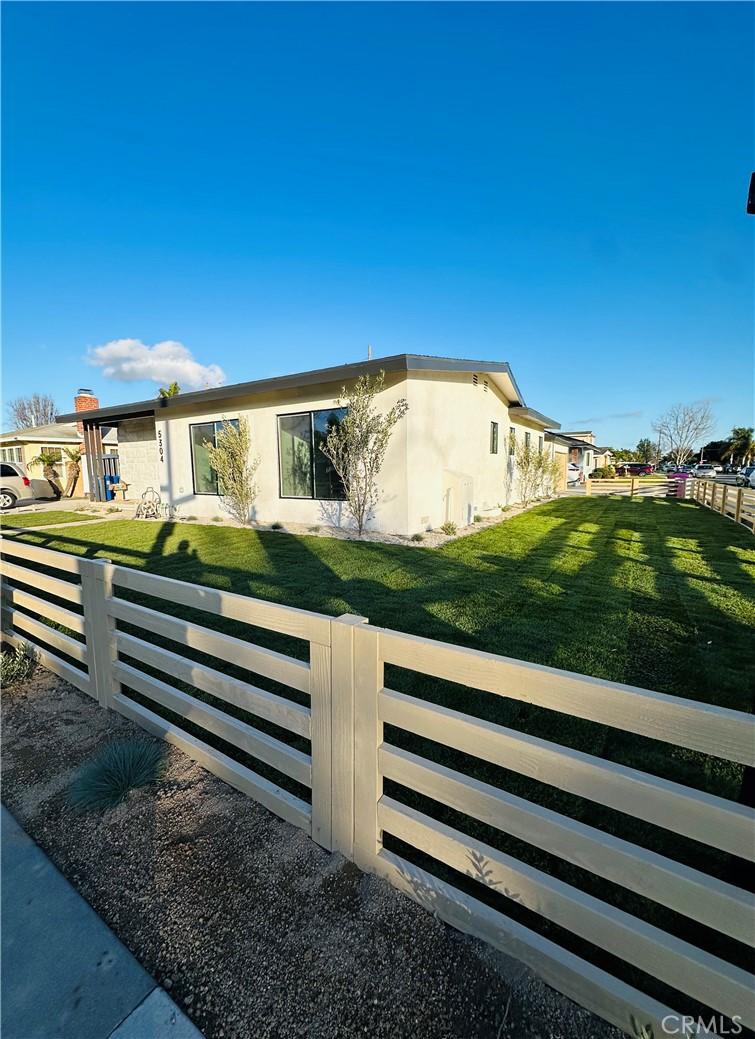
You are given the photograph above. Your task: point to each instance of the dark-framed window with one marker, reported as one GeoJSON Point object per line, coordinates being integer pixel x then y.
{"type": "Point", "coordinates": [204, 477]}
{"type": "Point", "coordinates": [304, 471]}
{"type": "Point", "coordinates": [540, 444]}
{"type": "Point", "coordinates": [494, 438]}
{"type": "Point", "coordinates": [527, 439]}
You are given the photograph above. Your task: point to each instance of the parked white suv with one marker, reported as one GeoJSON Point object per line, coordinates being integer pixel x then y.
{"type": "Point", "coordinates": [17, 488]}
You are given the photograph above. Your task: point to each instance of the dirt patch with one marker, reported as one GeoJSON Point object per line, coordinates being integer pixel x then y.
{"type": "Point", "coordinates": [252, 928]}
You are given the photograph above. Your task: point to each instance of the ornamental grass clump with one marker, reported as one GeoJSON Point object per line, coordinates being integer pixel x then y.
{"type": "Point", "coordinates": [17, 664]}
{"type": "Point", "coordinates": [106, 779]}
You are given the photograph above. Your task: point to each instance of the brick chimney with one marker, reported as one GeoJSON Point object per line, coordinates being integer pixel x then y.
{"type": "Point", "coordinates": [84, 401]}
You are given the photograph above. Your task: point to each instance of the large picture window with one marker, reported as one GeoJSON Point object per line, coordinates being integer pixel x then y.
{"type": "Point", "coordinates": [204, 476]}
{"type": "Point", "coordinates": [305, 472]}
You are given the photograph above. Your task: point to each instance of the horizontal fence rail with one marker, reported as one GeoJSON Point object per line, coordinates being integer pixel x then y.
{"type": "Point", "coordinates": [736, 503]}
{"type": "Point", "coordinates": [638, 486]}
{"type": "Point", "coordinates": [321, 731]}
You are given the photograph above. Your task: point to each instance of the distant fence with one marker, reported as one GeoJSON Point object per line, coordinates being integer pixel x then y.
{"type": "Point", "coordinates": [737, 503]}
{"type": "Point", "coordinates": [347, 706]}
{"type": "Point", "coordinates": [640, 486]}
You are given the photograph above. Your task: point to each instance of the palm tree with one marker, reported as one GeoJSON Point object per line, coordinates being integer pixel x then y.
{"type": "Point", "coordinates": [741, 444]}
{"type": "Point", "coordinates": [48, 460]}
{"type": "Point", "coordinates": [172, 391]}
{"type": "Point", "coordinates": [73, 469]}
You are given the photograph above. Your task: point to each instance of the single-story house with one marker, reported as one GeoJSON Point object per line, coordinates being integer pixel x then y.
{"type": "Point", "coordinates": [451, 457]}
{"type": "Point", "coordinates": [25, 445]}
{"type": "Point", "coordinates": [585, 453]}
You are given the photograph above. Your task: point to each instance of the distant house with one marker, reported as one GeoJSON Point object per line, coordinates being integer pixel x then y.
{"type": "Point", "coordinates": [585, 453]}
{"type": "Point", "coordinates": [25, 445]}
{"type": "Point", "coordinates": [451, 457]}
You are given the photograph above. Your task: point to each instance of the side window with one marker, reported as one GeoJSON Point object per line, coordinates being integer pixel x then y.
{"type": "Point", "coordinates": [7, 470]}
{"type": "Point", "coordinates": [512, 440]}
{"type": "Point", "coordinates": [204, 476]}
{"type": "Point", "coordinates": [527, 439]}
{"type": "Point", "coordinates": [494, 438]}
{"type": "Point", "coordinates": [540, 444]}
{"type": "Point", "coordinates": [305, 472]}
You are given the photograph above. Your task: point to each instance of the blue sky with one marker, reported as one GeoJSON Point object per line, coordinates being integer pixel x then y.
{"type": "Point", "coordinates": [276, 186]}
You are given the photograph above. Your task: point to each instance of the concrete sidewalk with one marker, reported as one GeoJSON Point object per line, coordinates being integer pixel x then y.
{"type": "Point", "coordinates": [64, 973]}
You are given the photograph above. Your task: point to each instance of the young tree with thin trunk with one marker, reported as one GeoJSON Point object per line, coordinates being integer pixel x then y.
{"type": "Point", "coordinates": [356, 446]}
{"type": "Point", "coordinates": [37, 410]}
{"type": "Point", "coordinates": [682, 427]}
{"type": "Point", "coordinates": [231, 458]}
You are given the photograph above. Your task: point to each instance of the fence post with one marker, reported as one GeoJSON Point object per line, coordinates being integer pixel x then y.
{"type": "Point", "coordinates": [368, 736]}
{"type": "Point", "coordinates": [631, 489]}
{"type": "Point", "coordinates": [342, 732]}
{"type": "Point", "coordinates": [724, 492]}
{"type": "Point", "coordinates": [738, 506]}
{"type": "Point", "coordinates": [99, 628]}
{"type": "Point", "coordinates": [588, 486]}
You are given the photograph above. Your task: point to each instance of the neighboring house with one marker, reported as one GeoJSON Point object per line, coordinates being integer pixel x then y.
{"type": "Point", "coordinates": [585, 453]}
{"type": "Point", "coordinates": [449, 458]}
{"type": "Point", "coordinates": [25, 445]}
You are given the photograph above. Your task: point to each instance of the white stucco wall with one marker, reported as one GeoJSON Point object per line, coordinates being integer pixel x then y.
{"type": "Point", "coordinates": [175, 468]}
{"type": "Point", "coordinates": [137, 454]}
{"type": "Point", "coordinates": [452, 473]}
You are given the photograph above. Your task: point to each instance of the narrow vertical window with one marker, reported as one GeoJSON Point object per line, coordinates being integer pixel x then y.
{"type": "Point", "coordinates": [494, 438]}
{"type": "Point", "coordinates": [540, 444]}
{"type": "Point", "coordinates": [201, 434]}
{"type": "Point", "coordinates": [512, 440]}
{"type": "Point", "coordinates": [527, 439]}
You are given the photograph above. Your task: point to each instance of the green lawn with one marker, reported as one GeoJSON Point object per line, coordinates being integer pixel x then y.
{"type": "Point", "coordinates": [42, 519]}
{"type": "Point", "coordinates": [654, 592]}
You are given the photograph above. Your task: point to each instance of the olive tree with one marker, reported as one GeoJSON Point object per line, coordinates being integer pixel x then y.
{"type": "Point", "coordinates": [356, 446]}
{"type": "Point", "coordinates": [536, 472]}
{"type": "Point", "coordinates": [231, 458]}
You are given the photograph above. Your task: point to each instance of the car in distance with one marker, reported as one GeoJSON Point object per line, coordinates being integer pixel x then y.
{"type": "Point", "coordinates": [744, 476]}
{"type": "Point", "coordinates": [634, 469]}
{"type": "Point", "coordinates": [705, 471]}
{"type": "Point", "coordinates": [16, 487]}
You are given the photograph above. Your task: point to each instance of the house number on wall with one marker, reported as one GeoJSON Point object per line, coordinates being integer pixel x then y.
{"type": "Point", "coordinates": [160, 445]}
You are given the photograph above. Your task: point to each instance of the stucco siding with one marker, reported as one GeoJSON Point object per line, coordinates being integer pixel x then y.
{"type": "Point", "coordinates": [176, 476]}
{"type": "Point", "coordinates": [452, 473]}
{"type": "Point", "coordinates": [138, 461]}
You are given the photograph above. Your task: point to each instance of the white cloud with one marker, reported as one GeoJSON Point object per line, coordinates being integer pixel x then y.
{"type": "Point", "coordinates": [131, 360]}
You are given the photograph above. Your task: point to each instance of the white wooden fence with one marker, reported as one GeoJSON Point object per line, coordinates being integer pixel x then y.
{"type": "Point", "coordinates": [737, 503]}
{"type": "Point", "coordinates": [638, 486]}
{"type": "Point", "coordinates": [348, 707]}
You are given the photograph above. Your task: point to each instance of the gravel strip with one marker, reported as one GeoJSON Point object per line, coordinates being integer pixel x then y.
{"type": "Point", "coordinates": [251, 927]}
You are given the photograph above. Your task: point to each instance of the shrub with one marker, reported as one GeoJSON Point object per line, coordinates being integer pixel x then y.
{"type": "Point", "coordinates": [313, 530]}
{"type": "Point", "coordinates": [217, 519]}
{"type": "Point", "coordinates": [418, 537]}
{"type": "Point", "coordinates": [113, 508]}
{"type": "Point", "coordinates": [449, 527]}
{"type": "Point", "coordinates": [606, 472]}
{"type": "Point", "coordinates": [105, 780]}
{"type": "Point", "coordinates": [276, 526]}
{"type": "Point", "coordinates": [16, 665]}
{"type": "Point", "coordinates": [231, 458]}
{"type": "Point", "coordinates": [478, 518]}
{"type": "Point", "coordinates": [189, 519]}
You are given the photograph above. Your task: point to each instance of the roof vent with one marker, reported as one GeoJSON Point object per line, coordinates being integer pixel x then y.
{"type": "Point", "coordinates": [475, 379]}
{"type": "Point", "coordinates": [485, 385]}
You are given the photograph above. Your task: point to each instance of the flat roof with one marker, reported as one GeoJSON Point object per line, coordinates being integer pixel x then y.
{"type": "Point", "coordinates": [343, 372]}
